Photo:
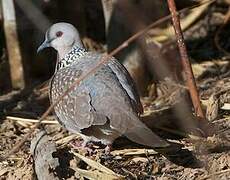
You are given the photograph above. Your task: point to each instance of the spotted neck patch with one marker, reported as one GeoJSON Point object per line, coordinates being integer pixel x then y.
{"type": "Point", "coordinates": [75, 54]}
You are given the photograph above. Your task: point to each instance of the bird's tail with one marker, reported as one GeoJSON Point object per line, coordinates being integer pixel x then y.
{"type": "Point", "coordinates": [141, 134]}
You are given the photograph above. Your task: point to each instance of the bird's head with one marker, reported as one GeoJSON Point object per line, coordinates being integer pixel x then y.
{"type": "Point", "coordinates": [62, 37]}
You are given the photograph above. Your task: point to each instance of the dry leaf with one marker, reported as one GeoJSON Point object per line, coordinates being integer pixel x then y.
{"type": "Point", "coordinates": [140, 159]}
{"type": "Point", "coordinates": [127, 152]}
{"type": "Point", "coordinates": [97, 175]}
{"type": "Point", "coordinates": [3, 171]}
{"type": "Point", "coordinates": [226, 106]}
{"type": "Point", "coordinates": [212, 108]}
{"type": "Point", "coordinates": [101, 172]}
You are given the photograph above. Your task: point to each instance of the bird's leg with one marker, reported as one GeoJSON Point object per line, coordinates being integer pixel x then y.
{"type": "Point", "coordinates": [88, 146]}
{"type": "Point", "coordinates": [84, 145]}
{"type": "Point", "coordinates": [108, 149]}
{"type": "Point", "coordinates": [107, 155]}
{"type": "Point", "coordinates": [77, 143]}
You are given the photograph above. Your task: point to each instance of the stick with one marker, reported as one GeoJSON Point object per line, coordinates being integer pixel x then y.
{"type": "Point", "coordinates": [14, 54]}
{"type": "Point", "coordinates": [30, 120]}
{"type": "Point", "coordinates": [185, 60]}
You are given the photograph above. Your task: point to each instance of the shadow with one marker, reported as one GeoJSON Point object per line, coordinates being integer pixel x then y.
{"type": "Point", "coordinates": [174, 153]}
{"type": "Point", "coordinates": [64, 171]}
{"type": "Point", "coordinates": [5, 85]}
{"type": "Point", "coordinates": [22, 104]}
{"type": "Point", "coordinates": [179, 156]}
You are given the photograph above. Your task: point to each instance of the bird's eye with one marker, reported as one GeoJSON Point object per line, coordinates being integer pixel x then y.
{"type": "Point", "coordinates": [59, 34]}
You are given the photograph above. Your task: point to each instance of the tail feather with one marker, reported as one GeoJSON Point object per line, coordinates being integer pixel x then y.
{"type": "Point", "coordinates": [143, 135]}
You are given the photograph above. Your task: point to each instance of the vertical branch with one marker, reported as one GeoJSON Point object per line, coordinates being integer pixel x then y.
{"type": "Point", "coordinates": [14, 54]}
{"type": "Point", "coordinates": [190, 80]}
{"type": "Point", "coordinates": [107, 6]}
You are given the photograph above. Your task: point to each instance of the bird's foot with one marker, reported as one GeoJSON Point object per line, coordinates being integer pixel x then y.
{"type": "Point", "coordinates": [107, 153]}
{"type": "Point", "coordinates": [84, 146]}
{"type": "Point", "coordinates": [108, 149]}
{"type": "Point", "coordinates": [77, 143]}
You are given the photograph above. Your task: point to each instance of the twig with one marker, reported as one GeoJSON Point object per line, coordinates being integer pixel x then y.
{"type": "Point", "coordinates": [185, 60]}
{"type": "Point", "coordinates": [130, 152]}
{"type": "Point", "coordinates": [43, 87]}
{"type": "Point", "coordinates": [67, 139]}
{"type": "Point", "coordinates": [30, 120]}
{"type": "Point", "coordinates": [93, 163]}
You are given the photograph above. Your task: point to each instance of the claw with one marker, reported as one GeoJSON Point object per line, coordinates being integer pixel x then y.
{"type": "Point", "coordinates": [108, 149]}
{"type": "Point", "coordinates": [83, 146]}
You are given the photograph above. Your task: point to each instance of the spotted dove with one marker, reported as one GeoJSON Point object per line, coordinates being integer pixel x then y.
{"type": "Point", "coordinates": [105, 105]}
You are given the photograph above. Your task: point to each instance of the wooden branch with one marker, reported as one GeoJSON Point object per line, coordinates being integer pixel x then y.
{"type": "Point", "coordinates": [190, 80]}
{"type": "Point", "coordinates": [107, 6]}
{"type": "Point", "coordinates": [30, 120]}
{"type": "Point", "coordinates": [13, 49]}
{"type": "Point", "coordinates": [42, 149]}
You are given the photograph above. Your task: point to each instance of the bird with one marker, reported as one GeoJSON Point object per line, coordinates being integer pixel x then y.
{"type": "Point", "coordinates": [104, 105]}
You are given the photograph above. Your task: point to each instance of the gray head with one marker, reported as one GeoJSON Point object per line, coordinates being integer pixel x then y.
{"type": "Point", "coordinates": [62, 37]}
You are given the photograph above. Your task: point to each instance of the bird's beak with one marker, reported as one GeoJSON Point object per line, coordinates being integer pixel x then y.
{"type": "Point", "coordinates": [44, 45]}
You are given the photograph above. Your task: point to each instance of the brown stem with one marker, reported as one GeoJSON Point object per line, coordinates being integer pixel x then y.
{"type": "Point", "coordinates": [190, 80]}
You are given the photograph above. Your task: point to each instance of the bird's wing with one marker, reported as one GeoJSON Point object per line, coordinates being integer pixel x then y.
{"type": "Point", "coordinates": [113, 101]}
{"type": "Point", "coordinates": [127, 83]}
{"type": "Point", "coordinates": [50, 94]}
{"type": "Point", "coordinates": [51, 100]}
{"type": "Point", "coordinates": [74, 111]}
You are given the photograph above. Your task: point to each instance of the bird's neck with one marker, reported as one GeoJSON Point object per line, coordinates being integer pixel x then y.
{"type": "Point", "coordinates": [71, 56]}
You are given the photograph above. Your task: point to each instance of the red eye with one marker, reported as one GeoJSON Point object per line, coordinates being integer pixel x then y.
{"type": "Point", "coordinates": [59, 34]}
